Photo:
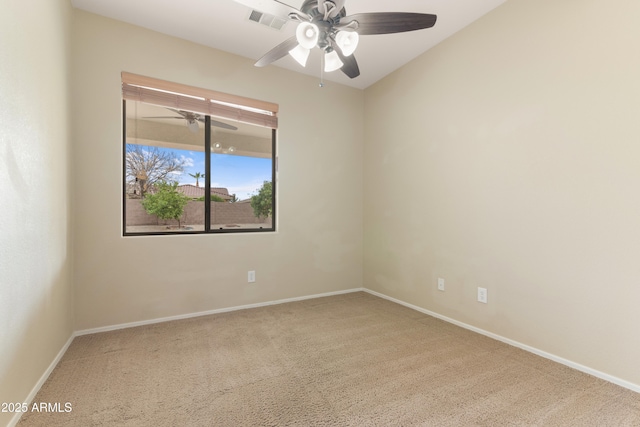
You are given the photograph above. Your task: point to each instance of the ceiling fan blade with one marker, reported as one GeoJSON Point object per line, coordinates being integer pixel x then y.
{"type": "Point", "coordinates": [222, 125]}
{"type": "Point", "coordinates": [277, 52]}
{"type": "Point", "coordinates": [218, 124]}
{"type": "Point", "coordinates": [163, 117]}
{"type": "Point", "coordinates": [181, 112]}
{"type": "Point", "coordinates": [350, 67]}
{"type": "Point", "coordinates": [389, 22]}
{"type": "Point", "coordinates": [272, 7]}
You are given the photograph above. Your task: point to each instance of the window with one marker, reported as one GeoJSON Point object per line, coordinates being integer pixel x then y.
{"type": "Point", "coordinates": [196, 160]}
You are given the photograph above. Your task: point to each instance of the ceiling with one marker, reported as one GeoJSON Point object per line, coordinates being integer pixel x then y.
{"type": "Point", "coordinates": [161, 127]}
{"type": "Point", "coordinates": [225, 25]}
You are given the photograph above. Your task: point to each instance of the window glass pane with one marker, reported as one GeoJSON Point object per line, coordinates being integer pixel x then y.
{"type": "Point", "coordinates": [241, 177]}
{"type": "Point", "coordinates": [164, 168]}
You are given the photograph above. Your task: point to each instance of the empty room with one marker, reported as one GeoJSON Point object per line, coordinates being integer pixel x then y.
{"type": "Point", "coordinates": [419, 213]}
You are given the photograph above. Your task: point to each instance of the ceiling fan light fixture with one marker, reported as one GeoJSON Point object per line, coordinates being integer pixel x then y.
{"type": "Point", "coordinates": [300, 54]}
{"type": "Point", "coordinates": [193, 125]}
{"type": "Point", "coordinates": [347, 41]}
{"type": "Point", "coordinates": [324, 24]}
{"type": "Point", "coordinates": [307, 35]}
{"type": "Point", "coordinates": [332, 62]}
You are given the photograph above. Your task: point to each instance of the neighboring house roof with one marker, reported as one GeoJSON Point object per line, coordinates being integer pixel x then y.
{"type": "Point", "coordinates": [220, 190]}
{"type": "Point", "coordinates": [188, 190]}
{"type": "Point", "coordinates": [194, 192]}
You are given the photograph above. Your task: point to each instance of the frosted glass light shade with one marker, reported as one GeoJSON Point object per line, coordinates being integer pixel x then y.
{"type": "Point", "coordinates": [307, 35]}
{"type": "Point", "coordinates": [347, 41]}
{"type": "Point", "coordinates": [193, 125]}
{"type": "Point", "coordinates": [300, 54]}
{"type": "Point", "coordinates": [332, 62]}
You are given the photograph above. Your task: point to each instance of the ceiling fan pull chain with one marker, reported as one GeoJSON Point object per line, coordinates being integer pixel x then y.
{"type": "Point", "coordinates": [321, 70]}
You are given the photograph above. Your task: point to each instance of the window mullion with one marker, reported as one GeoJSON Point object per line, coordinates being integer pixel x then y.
{"type": "Point", "coordinates": [207, 174]}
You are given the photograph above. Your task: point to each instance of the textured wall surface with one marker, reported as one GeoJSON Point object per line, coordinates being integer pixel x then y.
{"type": "Point", "coordinates": [36, 311]}
{"type": "Point", "coordinates": [318, 245]}
{"type": "Point", "coordinates": [514, 146]}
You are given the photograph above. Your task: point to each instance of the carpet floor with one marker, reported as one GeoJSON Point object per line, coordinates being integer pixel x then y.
{"type": "Point", "coordinates": [346, 360]}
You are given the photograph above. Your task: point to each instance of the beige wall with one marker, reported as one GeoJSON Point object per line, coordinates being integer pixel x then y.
{"type": "Point", "coordinates": [318, 246]}
{"type": "Point", "coordinates": [514, 149]}
{"type": "Point", "coordinates": [36, 310]}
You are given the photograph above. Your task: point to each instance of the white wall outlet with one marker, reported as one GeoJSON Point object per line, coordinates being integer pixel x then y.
{"type": "Point", "coordinates": [251, 276]}
{"type": "Point", "coordinates": [482, 295]}
{"type": "Point", "coordinates": [440, 284]}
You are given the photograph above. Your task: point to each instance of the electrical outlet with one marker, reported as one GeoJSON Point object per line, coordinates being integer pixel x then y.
{"type": "Point", "coordinates": [440, 284]}
{"type": "Point", "coordinates": [482, 295]}
{"type": "Point", "coordinates": [251, 276]}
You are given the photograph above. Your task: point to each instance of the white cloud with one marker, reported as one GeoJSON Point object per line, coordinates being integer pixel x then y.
{"type": "Point", "coordinates": [186, 161]}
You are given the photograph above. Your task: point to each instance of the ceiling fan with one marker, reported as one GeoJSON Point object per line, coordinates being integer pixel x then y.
{"type": "Point", "coordinates": [193, 119]}
{"type": "Point", "coordinates": [325, 24]}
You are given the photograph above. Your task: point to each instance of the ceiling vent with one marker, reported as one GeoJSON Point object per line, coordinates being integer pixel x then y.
{"type": "Point", "coordinates": [266, 19]}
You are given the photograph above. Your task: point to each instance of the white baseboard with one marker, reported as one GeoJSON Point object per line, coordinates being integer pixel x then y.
{"type": "Point", "coordinates": [209, 312]}
{"type": "Point", "coordinates": [553, 357]}
{"type": "Point", "coordinates": [42, 380]}
{"type": "Point", "coordinates": [61, 353]}
{"type": "Point", "coordinates": [577, 366]}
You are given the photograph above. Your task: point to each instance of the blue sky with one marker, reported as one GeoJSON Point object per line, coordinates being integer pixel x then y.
{"type": "Point", "coordinates": [241, 175]}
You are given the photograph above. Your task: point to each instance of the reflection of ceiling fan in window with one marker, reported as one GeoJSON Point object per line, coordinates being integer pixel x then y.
{"type": "Point", "coordinates": [193, 119]}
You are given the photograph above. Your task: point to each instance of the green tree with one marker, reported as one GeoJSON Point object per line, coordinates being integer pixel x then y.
{"type": "Point", "coordinates": [166, 202]}
{"type": "Point", "coordinates": [197, 176]}
{"type": "Point", "coordinates": [214, 198]}
{"type": "Point", "coordinates": [262, 203]}
{"type": "Point", "coordinates": [234, 198]}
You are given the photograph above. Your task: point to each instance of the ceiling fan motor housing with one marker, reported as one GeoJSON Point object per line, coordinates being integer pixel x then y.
{"type": "Point", "coordinates": [325, 27]}
{"type": "Point", "coordinates": [310, 7]}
